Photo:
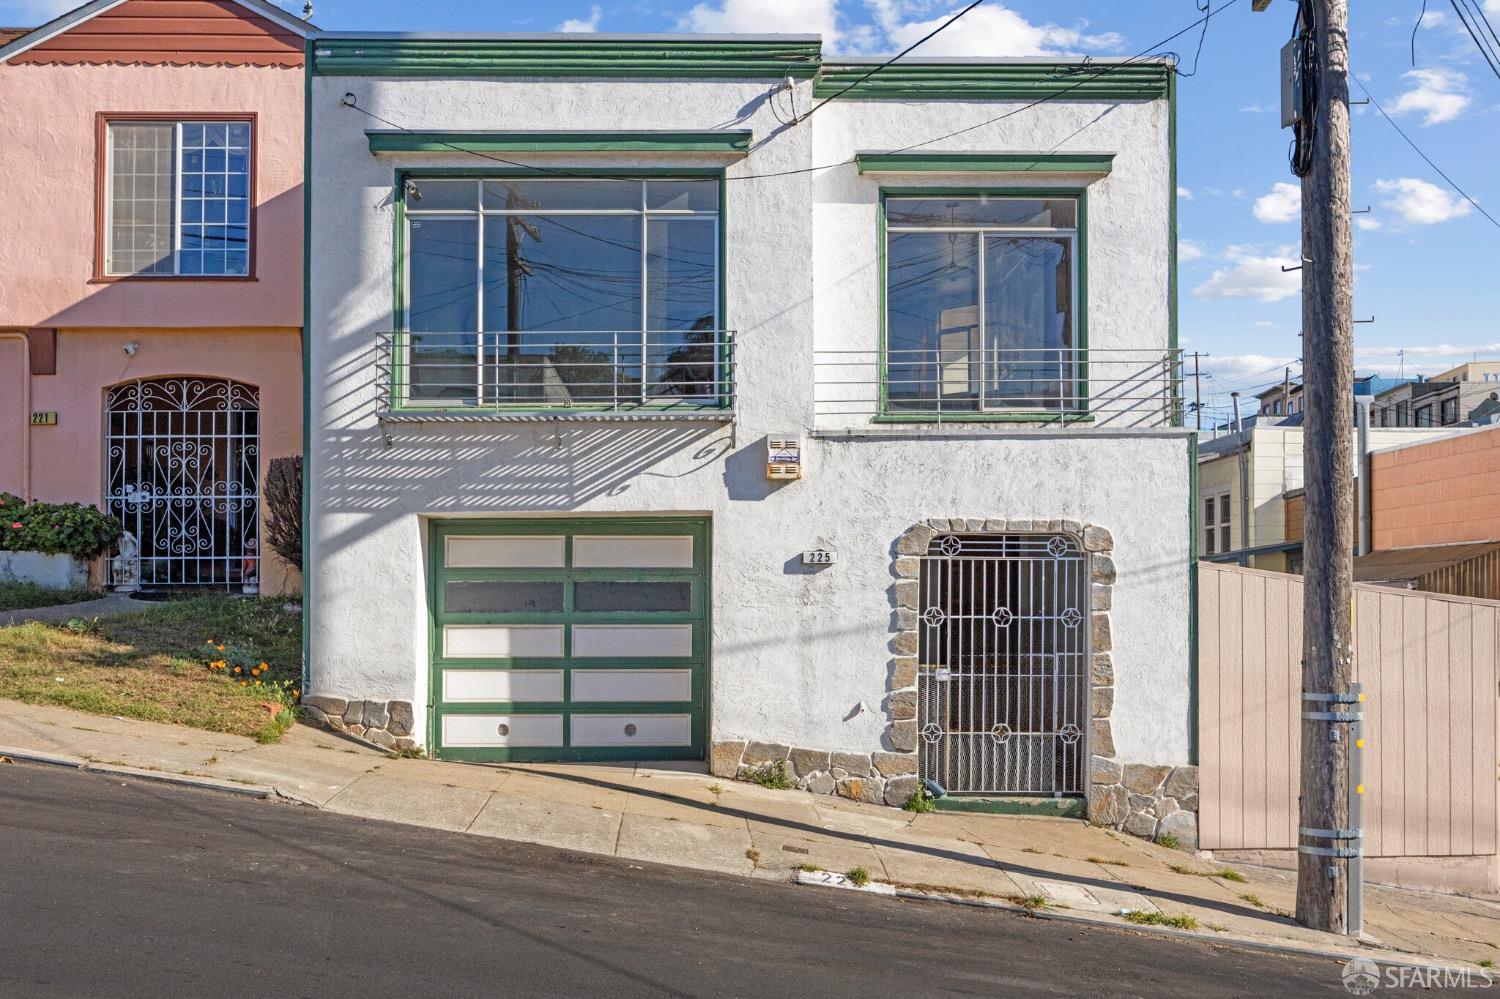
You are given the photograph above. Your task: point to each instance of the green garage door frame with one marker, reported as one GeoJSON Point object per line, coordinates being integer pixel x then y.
{"type": "Point", "coordinates": [698, 616]}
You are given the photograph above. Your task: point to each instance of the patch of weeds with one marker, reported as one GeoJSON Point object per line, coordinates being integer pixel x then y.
{"type": "Point", "coordinates": [83, 625]}
{"type": "Point", "coordinates": [1217, 927]}
{"type": "Point", "coordinates": [808, 868]}
{"type": "Point", "coordinates": [858, 876]}
{"type": "Point", "coordinates": [920, 801]}
{"type": "Point", "coordinates": [752, 855]}
{"type": "Point", "coordinates": [772, 775]}
{"type": "Point", "coordinates": [407, 753]}
{"type": "Point", "coordinates": [1487, 964]}
{"type": "Point", "coordinates": [1107, 861]}
{"type": "Point", "coordinates": [278, 726]}
{"type": "Point", "coordinates": [1254, 900]}
{"type": "Point", "coordinates": [211, 760]}
{"type": "Point", "coordinates": [25, 596]}
{"type": "Point", "coordinates": [1227, 873]}
{"type": "Point", "coordinates": [943, 890]}
{"type": "Point", "coordinates": [1031, 903]}
{"type": "Point", "coordinates": [1169, 841]}
{"type": "Point", "coordinates": [716, 790]}
{"type": "Point", "coordinates": [1181, 921]}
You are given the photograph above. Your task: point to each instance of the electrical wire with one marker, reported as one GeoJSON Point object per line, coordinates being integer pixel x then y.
{"type": "Point", "coordinates": [1486, 50]}
{"type": "Point", "coordinates": [1305, 128]}
{"type": "Point", "coordinates": [1422, 14]}
{"type": "Point", "coordinates": [1418, 149]}
{"type": "Point", "coordinates": [1205, 7]}
{"type": "Point", "coordinates": [833, 97]}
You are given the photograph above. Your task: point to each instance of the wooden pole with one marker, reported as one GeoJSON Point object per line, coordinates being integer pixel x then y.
{"type": "Point", "coordinates": [1328, 397]}
{"type": "Point", "coordinates": [1197, 391]}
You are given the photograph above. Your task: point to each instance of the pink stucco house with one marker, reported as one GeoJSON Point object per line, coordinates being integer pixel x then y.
{"type": "Point", "coordinates": [151, 314]}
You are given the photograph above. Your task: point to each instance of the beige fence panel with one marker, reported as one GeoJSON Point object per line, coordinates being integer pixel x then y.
{"type": "Point", "coordinates": [1428, 664]}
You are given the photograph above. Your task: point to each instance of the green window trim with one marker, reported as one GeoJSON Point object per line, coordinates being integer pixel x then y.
{"type": "Point", "coordinates": [724, 142]}
{"type": "Point", "coordinates": [396, 403]}
{"type": "Point", "coordinates": [1088, 163]}
{"type": "Point", "coordinates": [1082, 413]}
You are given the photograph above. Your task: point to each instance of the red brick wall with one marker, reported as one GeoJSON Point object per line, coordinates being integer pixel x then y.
{"type": "Point", "coordinates": [1441, 492]}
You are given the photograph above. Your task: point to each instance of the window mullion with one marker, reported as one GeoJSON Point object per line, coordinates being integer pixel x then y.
{"type": "Point", "coordinates": [645, 291]}
{"type": "Point", "coordinates": [175, 223]}
{"type": "Point", "coordinates": [479, 323]}
{"type": "Point", "coordinates": [981, 274]}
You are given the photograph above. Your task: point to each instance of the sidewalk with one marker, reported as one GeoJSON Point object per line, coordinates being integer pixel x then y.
{"type": "Point", "coordinates": [682, 816]}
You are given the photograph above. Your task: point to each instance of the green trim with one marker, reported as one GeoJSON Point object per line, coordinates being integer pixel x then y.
{"type": "Point", "coordinates": [1063, 808]}
{"type": "Point", "coordinates": [1095, 163]}
{"type": "Point", "coordinates": [735, 143]}
{"type": "Point", "coordinates": [307, 145]}
{"type": "Point", "coordinates": [1193, 534]}
{"type": "Point", "coordinates": [1179, 416]}
{"type": "Point", "coordinates": [561, 170]}
{"type": "Point", "coordinates": [996, 81]}
{"type": "Point", "coordinates": [698, 616]}
{"type": "Point", "coordinates": [757, 59]}
{"type": "Point", "coordinates": [1081, 325]}
{"type": "Point", "coordinates": [398, 294]}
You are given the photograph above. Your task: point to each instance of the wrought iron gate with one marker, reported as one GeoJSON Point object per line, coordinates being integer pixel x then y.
{"type": "Point", "coordinates": [1003, 663]}
{"type": "Point", "coordinates": [182, 462]}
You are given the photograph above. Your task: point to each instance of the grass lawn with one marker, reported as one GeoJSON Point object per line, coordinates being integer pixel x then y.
{"type": "Point", "coordinates": [152, 665]}
{"type": "Point", "coordinates": [23, 596]}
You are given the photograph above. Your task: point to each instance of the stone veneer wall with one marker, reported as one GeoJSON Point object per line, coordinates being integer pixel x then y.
{"type": "Point", "coordinates": [385, 723]}
{"type": "Point", "coordinates": [1142, 799]}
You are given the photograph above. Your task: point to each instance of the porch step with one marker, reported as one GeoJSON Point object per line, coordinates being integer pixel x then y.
{"type": "Point", "coordinates": [1062, 808]}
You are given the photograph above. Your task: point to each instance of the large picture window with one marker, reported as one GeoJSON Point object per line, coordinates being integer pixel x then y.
{"type": "Point", "coordinates": [177, 198]}
{"type": "Point", "coordinates": [561, 292]}
{"type": "Point", "coordinates": [981, 304]}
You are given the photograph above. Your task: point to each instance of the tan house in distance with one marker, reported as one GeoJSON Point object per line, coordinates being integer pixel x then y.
{"type": "Point", "coordinates": [1468, 392]}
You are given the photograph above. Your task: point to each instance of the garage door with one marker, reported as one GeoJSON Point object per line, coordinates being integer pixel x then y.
{"type": "Point", "coordinates": [569, 639]}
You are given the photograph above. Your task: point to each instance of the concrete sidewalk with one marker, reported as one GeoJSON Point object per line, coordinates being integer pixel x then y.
{"type": "Point", "coordinates": [682, 816]}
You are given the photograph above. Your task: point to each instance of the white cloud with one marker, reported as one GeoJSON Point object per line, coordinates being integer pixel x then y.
{"type": "Point", "coordinates": [1421, 203]}
{"type": "Point", "coordinates": [765, 17]}
{"type": "Point", "coordinates": [1229, 371]}
{"type": "Point", "coordinates": [1366, 223]}
{"type": "Point", "coordinates": [1438, 94]}
{"type": "Point", "coordinates": [583, 24]}
{"type": "Point", "coordinates": [1250, 274]}
{"type": "Point", "coordinates": [1427, 359]}
{"type": "Point", "coordinates": [1283, 204]}
{"type": "Point", "coordinates": [1265, 324]}
{"type": "Point", "coordinates": [991, 30]}
{"type": "Point", "coordinates": [1255, 107]}
{"type": "Point", "coordinates": [1188, 250]}
{"type": "Point", "coordinates": [1185, 194]}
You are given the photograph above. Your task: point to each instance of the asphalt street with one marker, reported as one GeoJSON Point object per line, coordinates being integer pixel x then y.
{"type": "Point", "coordinates": [125, 889]}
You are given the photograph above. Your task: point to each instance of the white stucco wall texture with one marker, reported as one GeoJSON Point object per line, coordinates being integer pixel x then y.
{"type": "Point", "coordinates": [799, 655]}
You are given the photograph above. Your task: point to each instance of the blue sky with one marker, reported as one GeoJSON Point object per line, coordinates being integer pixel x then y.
{"type": "Point", "coordinates": [1426, 260]}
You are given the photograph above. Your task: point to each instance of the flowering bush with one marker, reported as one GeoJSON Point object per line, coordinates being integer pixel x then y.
{"type": "Point", "coordinates": [55, 528]}
{"type": "Point", "coordinates": [241, 665]}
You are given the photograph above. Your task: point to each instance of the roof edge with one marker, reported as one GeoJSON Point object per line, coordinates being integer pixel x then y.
{"type": "Point", "coordinates": [80, 14]}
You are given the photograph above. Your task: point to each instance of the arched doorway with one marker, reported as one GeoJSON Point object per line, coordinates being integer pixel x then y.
{"type": "Point", "coordinates": [182, 460]}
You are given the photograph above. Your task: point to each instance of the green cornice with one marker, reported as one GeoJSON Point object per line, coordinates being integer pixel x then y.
{"type": "Point", "coordinates": [728, 143]}
{"type": "Point", "coordinates": [761, 59]}
{"type": "Point", "coordinates": [938, 162]}
{"type": "Point", "coordinates": [997, 81]}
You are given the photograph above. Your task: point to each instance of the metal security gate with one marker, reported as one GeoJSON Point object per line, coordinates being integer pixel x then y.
{"type": "Point", "coordinates": [569, 639]}
{"type": "Point", "coordinates": [182, 460]}
{"type": "Point", "coordinates": [1003, 664]}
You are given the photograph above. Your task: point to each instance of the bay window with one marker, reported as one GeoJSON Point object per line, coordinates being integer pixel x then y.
{"type": "Point", "coordinates": [548, 292]}
{"type": "Point", "coordinates": [982, 304]}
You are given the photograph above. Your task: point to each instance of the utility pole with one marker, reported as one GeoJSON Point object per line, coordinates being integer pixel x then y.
{"type": "Point", "coordinates": [1328, 703]}
{"type": "Point", "coordinates": [1197, 391]}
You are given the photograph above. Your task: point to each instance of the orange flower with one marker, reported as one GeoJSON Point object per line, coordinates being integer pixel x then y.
{"type": "Point", "coordinates": [244, 683]}
{"type": "Point", "coordinates": [296, 693]}
{"type": "Point", "coordinates": [221, 648]}
{"type": "Point", "coordinates": [209, 642]}
{"type": "Point", "coordinates": [264, 666]}
{"type": "Point", "coordinates": [237, 669]}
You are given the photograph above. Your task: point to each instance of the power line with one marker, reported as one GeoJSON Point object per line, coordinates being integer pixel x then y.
{"type": "Point", "coordinates": [877, 69]}
{"type": "Point", "coordinates": [1376, 105]}
{"type": "Point", "coordinates": [1485, 48]}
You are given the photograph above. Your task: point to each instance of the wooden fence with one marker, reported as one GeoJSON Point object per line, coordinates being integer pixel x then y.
{"type": "Point", "coordinates": [1428, 664]}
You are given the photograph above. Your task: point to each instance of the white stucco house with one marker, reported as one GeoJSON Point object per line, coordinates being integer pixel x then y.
{"type": "Point", "coordinates": [686, 397]}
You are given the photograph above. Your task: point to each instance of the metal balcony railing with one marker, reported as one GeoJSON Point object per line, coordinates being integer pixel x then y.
{"type": "Point", "coordinates": [536, 371]}
{"type": "Point", "coordinates": [1136, 387]}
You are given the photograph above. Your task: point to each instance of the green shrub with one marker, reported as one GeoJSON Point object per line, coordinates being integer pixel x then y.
{"type": "Point", "coordinates": [773, 776]}
{"type": "Point", "coordinates": [858, 876]}
{"type": "Point", "coordinates": [920, 801]}
{"type": "Point", "coordinates": [55, 528]}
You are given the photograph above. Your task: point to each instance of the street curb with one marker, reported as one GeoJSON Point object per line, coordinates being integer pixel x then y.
{"type": "Point", "coordinates": [258, 791]}
{"type": "Point", "coordinates": [1383, 958]}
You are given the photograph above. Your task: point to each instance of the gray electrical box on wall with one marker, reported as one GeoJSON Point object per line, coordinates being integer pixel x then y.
{"type": "Point", "coordinates": [783, 456]}
{"type": "Point", "coordinates": [1291, 83]}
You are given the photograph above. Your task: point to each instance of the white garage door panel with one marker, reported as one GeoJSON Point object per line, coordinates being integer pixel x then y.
{"type": "Point", "coordinates": [519, 685]}
{"type": "Point", "coordinates": [501, 552]}
{"type": "Point", "coordinates": [649, 730]}
{"type": "Point", "coordinates": [502, 641]}
{"type": "Point", "coordinates": [632, 685]}
{"type": "Point", "coordinates": [623, 640]}
{"type": "Point", "coordinates": [502, 730]}
{"type": "Point", "coordinates": [649, 551]}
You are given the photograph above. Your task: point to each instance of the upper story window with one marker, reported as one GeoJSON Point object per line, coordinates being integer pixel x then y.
{"type": "Point", "coordinates": [177, 198]}
{"type": "Point", "coordinates": [1424, 416]}
{"type": "Point", "coordinates": [1449, 411]}
{"type": "Point", "coordinates": [1216, 524]}
{"type": "Point", "coordinates": [562, 292]}
{"type": "Point", "coordinates": [1403, 414]}
{"type": "Point", "coordinates": [981, 304]}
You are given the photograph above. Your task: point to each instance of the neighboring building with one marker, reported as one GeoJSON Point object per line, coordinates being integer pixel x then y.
{"type": "Point", "coordinates": [1465, 394]}
{"type": "Point", "coordinates": [152, 261]}
{"type": "Point", "coordinates": [1244, 482]}
{"type": "Point", "coordinates": [581, 307]}
{"type": "Point", "coordinates": [1285, 399]}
